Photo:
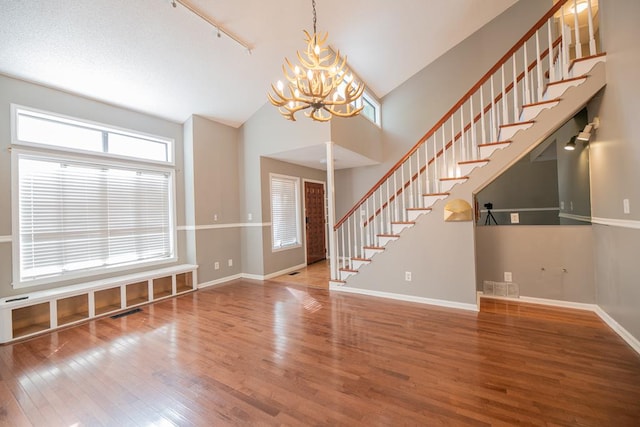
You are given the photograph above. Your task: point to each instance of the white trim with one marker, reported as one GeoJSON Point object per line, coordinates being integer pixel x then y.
{"type": "Point", "coordinates": [582, 218]}
{"type": "Point", "coordinates": [402, 297]}
{"type": "Point", "coordinates": [274, 274]}
{"type": "Point", "coordinates": [217, 226]}
{"type": "Point", "coordinates": [6, 239]}
{"type": "Point", "coordinates": [521, 210]}
{"type": "Point", "coordinates": [625, 223]}
{"type": "Point", "coordinates": [219, 282]}
{"type": "Point", "coordinates": [617, 328]}
{"type": "Point", "coordinates": [606, 318]}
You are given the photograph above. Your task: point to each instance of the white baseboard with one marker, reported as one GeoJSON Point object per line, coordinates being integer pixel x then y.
{"type": "Point", "coordinates": [610, 321]}
{"type": "Point", "coordinates": [219, 282]}
{"type": "Point", "coordinates": [624, 334]}
{"type": "Point", "coordinates": [223, 280]}
{"type": "Point", "coordinates": [409, 298]}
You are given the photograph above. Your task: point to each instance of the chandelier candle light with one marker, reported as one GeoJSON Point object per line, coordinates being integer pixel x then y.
{"type": "Point", "coordinates": [321, 82]}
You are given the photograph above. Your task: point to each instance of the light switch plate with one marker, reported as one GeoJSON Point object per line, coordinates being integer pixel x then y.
{"type": "Point", "coordinates": [508, 277]}
{"type": "Point", "coordinates": [515, 218]}
{"type": "Point", "coordinates": [625, 206]}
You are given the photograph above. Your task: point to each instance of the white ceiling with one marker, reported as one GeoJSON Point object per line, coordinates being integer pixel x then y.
{"type": "Point", "coordinates": [148, 56]}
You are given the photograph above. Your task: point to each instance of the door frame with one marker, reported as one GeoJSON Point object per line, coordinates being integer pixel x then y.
{"type": "Point", "coordinates": [304, 211]}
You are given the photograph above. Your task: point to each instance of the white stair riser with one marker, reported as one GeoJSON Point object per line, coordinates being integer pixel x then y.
{"type": "Point", "coordinates": [487, 151]}
{"type": "Point", "coordinates": [382, 241]}
{"type": "Point", "coordinates": [413, 215]}
{"type": "Point", "coordinates": [448, 184]}
{"type": "Point", "coordinates": [555, 90]}
{"type": "Point", "coordinates": [532, 111]}
{"type": "Point", "coordinates": [345, 274]}
{"type": "Point", "coordinates": [507, 133]}
{"type": "Point", "coordinates": [431, 200]}
{"type": "Point", "coordinates": [466, 168]}
{"type": "Point", "coordinates": [356, 263]}
{"type": "Point", "coordinates": [397, 228]}
{"type": "Point", "coordinates": [369, 253]}
{"type": "Point", "coordinates": [580, 68]}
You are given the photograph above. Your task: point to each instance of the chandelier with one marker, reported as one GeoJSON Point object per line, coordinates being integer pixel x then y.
{"type": "Point", "coordinates": [321, 83]}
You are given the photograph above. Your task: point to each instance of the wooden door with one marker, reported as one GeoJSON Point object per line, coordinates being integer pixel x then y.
{"type": "Point", "coordinates": [315, 221]}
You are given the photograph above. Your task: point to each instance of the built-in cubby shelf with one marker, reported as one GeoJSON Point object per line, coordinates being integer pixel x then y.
{"type": "Point", "coordinates": [29, 314]}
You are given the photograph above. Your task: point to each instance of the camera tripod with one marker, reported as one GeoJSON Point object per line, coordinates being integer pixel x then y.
{"type": "Point", "coordinates": [490, 217]}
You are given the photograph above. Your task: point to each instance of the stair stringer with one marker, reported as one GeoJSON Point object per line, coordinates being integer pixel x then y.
{"type": "Point", "coordinates": [441, 255]}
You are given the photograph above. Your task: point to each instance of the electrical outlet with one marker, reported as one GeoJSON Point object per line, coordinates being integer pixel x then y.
{"type": "Point", "coordinates": [515, 218]}
{"type": "Point", "coordinates": [215, 217]}
{"type": "Point", "coordinates": [562, 204]}
{"type": "Point", "coordinates": [250, 217]}
{"type": "Point", "coordinates": [508, 277]}
{"type": "Point", "coordinates": [216, 265]}
{"type": "Point", "coordinates": [625, 206]}
{"type": "Point", "coordinates": [571, 206]}
{"type": "Point", "coordinates": [407, 276]}
{"type": "Point", "coordinates": [230, 262]}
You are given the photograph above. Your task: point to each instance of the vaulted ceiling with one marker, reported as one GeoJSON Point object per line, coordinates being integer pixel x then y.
{"type": "Point", "coordinates": [149, 56]}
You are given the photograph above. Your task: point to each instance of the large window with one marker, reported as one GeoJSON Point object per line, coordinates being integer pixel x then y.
{"type": "Point", "coordinates": [82, 214]}
{"type": "Point", "coordinates": [285, 212]}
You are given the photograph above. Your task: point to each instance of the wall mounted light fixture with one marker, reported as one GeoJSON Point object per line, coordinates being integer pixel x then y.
{"type": "Point", "coordinates": [585, 135]}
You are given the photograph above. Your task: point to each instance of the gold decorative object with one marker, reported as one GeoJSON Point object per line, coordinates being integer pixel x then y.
{"type": "Point", "coordinates": [321, 82]}
{"type": "Point", "coordinates": [458, 210]}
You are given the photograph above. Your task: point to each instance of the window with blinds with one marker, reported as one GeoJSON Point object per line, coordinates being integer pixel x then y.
{"type": "Point", "coordinates": [285, 212]}
{"type": "Point", "coordinates": [76, 216]}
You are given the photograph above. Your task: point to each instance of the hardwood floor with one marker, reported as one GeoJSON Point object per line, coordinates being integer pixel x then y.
{"type": "Point", "coordinates": [279, 354]}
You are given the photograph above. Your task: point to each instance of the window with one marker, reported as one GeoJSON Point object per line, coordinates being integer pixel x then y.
{"type": "Point", "coordinates": [371, 108]}
{"type": "Point", "coordinates": [81, 215]}
{"type": "Point", "coordinates": [45, 129]}
{"type": "Point", "coordinates": [285, 212]}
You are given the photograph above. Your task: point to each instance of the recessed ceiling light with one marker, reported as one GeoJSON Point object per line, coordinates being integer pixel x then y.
{"type": "Point", "coordinates": [581, 7]}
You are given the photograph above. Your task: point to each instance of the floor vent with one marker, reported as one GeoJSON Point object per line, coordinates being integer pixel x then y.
{"type": "Point", "coordinates": [294, 273]}
{"type": "Point", "coordinates": [501, 289]}
{"type": "Point", "coordinates": [126, 313]}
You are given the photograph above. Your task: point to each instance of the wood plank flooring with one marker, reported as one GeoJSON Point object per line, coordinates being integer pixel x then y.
{"type": "Point", "coordinates": [276, 354]}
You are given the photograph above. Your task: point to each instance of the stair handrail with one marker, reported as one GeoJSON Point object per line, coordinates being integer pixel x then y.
{"type": "Point", "coordinates": [539, 24]}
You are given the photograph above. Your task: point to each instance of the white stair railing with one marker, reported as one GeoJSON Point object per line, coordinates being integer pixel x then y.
{"type": "Point", "coordinates": [517, 80]}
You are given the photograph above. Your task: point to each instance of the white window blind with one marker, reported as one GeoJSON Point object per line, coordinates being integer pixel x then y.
{"type": "Point", "coordinates": [285, 217]}
{"type": "Point", "coordinates": [79, 216]}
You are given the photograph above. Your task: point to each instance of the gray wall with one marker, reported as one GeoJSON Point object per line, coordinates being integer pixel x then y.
{"type": "Point", "coordinates": [266, 132]}
{"type": "Point", "coordinates": [212, 177]}
{"type": "Point", "coordinates": [40, 97]}
{"type": "Point", "coordinates": [439, 255]}
{"type": "Point", "coordinates": [614, 157]}
{"type": "Point", "coordinates": [284, 259]}
{"type": "Point", "coordinates": [411, 109]}
{"type": "Point", "coordinates": [538, 256]}
{"type": "Point", "coordinates": [525, 185]}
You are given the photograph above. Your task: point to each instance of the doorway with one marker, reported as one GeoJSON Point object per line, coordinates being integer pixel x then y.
{"type": "Point", "coordinates": [315, 224]}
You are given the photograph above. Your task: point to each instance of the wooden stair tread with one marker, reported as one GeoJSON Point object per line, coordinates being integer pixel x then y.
{"type": "Point", "coordinates": [436, 194]}
{"type": "Point", "coordinates": [388, 235]}
{"type": "Point", "coordinates": [349, 270]}
{"type": "Point", "coordinates": [566, 80]}
{"type": "Point", "coordinates": [361, 259]}
{"type": "Point", "coordinates": [488, 144]}
{"type": "Point", "coordinates": [585, 58]}
{"type": "Point", "coordinates": [468, 162]}
{"type": "Point", "coordinates": [517, 124]}
{"type": "Point", "coordinates": [542, 102]}
{"type": "Point", "coordinates": [454, 178]}
{"type": "Point", "coordinates": [419, 209]}
{"type": "Point", "coordinates": [403, 222]}
{"type": "Point", "coordinates": [374, 247]}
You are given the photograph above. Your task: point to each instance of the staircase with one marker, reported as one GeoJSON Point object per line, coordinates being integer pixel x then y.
{"type": "Point", "coordinates": [535, 87]}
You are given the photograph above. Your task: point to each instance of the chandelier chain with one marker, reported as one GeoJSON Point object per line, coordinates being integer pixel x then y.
{"type": "Point", "coordinates": [313, 4]}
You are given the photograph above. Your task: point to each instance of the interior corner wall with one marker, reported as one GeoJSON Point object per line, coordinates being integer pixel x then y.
{"type": "Point", "coordinates": [410, 110]}
{"type": "Point", "coordinates": [265, 133]}
{"type": "Point", "coordinates": [615, 167]}
{"type": "Point", "coordinates": [44, 98]}
{"type": "Point", "coordinates": [213, 150]}
{"type": "Point", "coordinates": [284, 259]}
